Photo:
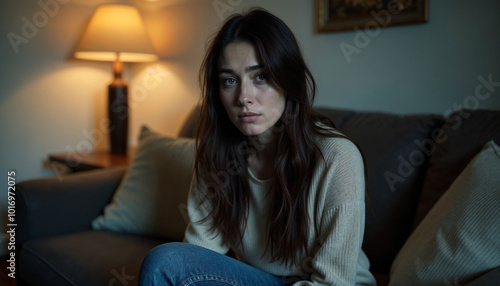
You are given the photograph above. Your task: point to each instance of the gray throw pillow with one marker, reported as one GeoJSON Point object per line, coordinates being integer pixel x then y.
{"type": "Point", "coordinates": [151, 199]}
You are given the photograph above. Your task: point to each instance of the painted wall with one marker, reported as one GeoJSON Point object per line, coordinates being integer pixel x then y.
{"type": "Point", "coordinates": [50, 102]}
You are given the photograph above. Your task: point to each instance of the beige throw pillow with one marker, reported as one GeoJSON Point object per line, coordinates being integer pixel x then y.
{"type": "Point", "coordinates": [151, 199]}
{"type": "Point", "coordinates": [459, 239]}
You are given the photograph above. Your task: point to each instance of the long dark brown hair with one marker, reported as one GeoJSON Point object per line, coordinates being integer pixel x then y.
{"type": "Point", "coordinates": [222, 150]}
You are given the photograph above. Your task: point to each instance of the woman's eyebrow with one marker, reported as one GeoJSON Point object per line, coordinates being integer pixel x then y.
{"type": "Point", "coordinates": [223, 70]}
{"type": "Point", "coordinates": [253, 68]}
{"type": "Point", "coordinates": [247, 69]}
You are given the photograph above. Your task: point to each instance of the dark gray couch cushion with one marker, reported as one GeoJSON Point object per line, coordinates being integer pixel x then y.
{"type": "Point", "coordinates": [337, 116]}
{"type": "Point", "coordinates": [188, 129]}
{"type": "Point", "coordinates": [465, 132]}
{"type": "Point", "coordinates": [395, 172]}
{"type": "Point", "coordinates": [85, 258]}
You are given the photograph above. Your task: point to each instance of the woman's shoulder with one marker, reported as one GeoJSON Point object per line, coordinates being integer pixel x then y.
{"type": "Point", "coordinates": [340, 170]}
{"type": "Point", "coordinates": [332, 142]}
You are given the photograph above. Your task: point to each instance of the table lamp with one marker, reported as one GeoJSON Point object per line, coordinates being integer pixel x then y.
{"type": "Point", "coordinates": [116, 34]}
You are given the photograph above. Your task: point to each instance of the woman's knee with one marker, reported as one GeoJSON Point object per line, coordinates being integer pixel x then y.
{"type": "Point", "coordinates": [161, 263]}
{"type": "Point", "coordinates": [164, 254]}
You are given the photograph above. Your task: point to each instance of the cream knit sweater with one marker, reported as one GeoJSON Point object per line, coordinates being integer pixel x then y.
{"type": "Point", "coordinates": [336, 209]}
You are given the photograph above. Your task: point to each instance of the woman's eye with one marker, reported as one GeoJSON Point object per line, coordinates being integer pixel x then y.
{"type": "Point", "coordinates": [229, 81]}
{"type": "Point", "coordinates": [260, 77]}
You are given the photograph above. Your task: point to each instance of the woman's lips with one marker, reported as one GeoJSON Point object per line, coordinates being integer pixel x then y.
{"type": "Point", "coordinates": [248, 117]}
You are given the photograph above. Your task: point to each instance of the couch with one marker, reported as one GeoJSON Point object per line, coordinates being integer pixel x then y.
{"type": "Point", "coordinates": [412, 160]}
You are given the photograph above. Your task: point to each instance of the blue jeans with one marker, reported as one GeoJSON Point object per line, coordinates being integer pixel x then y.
{"type": "Point", "coordinates": [182, 264]}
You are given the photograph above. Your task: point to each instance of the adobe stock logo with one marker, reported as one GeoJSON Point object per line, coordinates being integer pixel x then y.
{"type": "Point", "coordinates": [221, 7]}
{"type": "Point", "coordinates": [363, 38]}
{"type": "Point", "coordinates": [426, 146]}
{"type": "Point", "coordinates": [29, 29]}
{"type": "Point", "coordinates": [122, 278]}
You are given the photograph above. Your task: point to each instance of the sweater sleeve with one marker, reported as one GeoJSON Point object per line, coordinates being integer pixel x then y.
{"type": "Point", "coordinates": [335, 262]}
{"type": "Point", "coordinates": [198, 232]}
{"type": "Point", "coordinates": [340, 221]}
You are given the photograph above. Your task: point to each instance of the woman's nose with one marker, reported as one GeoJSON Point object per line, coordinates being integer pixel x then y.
{"type": "Point", "coordinates": [246, 95]}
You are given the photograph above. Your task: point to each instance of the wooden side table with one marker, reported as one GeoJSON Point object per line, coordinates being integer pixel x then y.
{"type": "Point", "coordinates": [77, 162]}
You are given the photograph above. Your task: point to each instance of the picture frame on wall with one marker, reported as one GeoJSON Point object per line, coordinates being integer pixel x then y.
{"type": "Point", "coordinates": [341, 15]}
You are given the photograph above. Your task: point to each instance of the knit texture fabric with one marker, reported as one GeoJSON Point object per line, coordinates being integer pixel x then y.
{"type": "Point", "coordinates": [458, 240]}
{"type": "Point", "coordinates": [336, 208]}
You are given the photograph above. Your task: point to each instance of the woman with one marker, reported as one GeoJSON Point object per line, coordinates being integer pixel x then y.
{"type": "Point", "coordinates": [273, 184]}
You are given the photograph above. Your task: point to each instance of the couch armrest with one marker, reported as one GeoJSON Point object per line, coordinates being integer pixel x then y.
{"type": "Point", "coordinates": [54, 206]}
{"type": "Point", "coordinates": [491, 277]}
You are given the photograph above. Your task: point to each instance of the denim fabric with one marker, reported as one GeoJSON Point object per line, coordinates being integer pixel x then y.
{"type": "Point", "coordinates": [183, 264]}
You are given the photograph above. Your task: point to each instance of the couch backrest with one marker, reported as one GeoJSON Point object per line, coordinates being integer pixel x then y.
{"type": "Point", "coordinates": [188, 129]}
{"type": "Point", "coordinates": [464, 134]}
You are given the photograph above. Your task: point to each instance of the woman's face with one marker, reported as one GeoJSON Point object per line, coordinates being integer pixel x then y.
{"type": "Point", "coordinates": [252, 100]}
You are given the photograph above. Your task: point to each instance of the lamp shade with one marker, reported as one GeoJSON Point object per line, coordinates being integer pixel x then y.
{"type": "Point", "coordinates": [116, 32]}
